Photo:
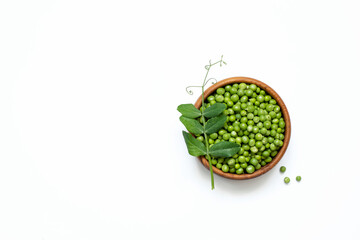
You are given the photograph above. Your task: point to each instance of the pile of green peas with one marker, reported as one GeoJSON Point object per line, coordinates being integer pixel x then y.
{"type": "Point", "coordinates": [254, 121]}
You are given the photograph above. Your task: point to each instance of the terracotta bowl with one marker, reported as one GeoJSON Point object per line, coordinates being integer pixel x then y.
{"type": "Point", "coordinates": [284, 112]}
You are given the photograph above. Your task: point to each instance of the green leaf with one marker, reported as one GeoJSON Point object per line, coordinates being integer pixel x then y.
{"type": "Point", "coordinates": [214, 110]}
{"type": "Point", "coordinates": [215, 124]}
{"type": "Point", "coordinates": [195, 147]}
{"type": "Point", "coordinates": [192, 125]}
{"type": "Point", "coordinates": [224, 149]}
{"type": "Point", "coordinates": [189, 110]}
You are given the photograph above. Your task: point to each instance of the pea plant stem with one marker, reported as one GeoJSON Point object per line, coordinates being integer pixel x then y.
{"type": "Point", "coordinates": [203, 122]}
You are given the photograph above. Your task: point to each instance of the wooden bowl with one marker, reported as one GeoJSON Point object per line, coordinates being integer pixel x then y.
{"type": "Point", "coordinates": [285, 115]}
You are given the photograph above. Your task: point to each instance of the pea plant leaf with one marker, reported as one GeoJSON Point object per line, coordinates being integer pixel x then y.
{"type": "Point", "coordinates": [214, 110]}
{"type": "Point", "coordinates": [215, 124]}
{"type": "Point", "coordinates": [224, 149]}
{"type": "Point", "coordinates": [195, 147]}
{"type": "Point", "coordinates": [192, 125]}
{"type": "Point", "coordinates": [189, 110]}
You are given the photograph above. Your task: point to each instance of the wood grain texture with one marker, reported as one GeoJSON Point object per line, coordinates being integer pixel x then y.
{"type": "Point", "coordinates": [284, 112]}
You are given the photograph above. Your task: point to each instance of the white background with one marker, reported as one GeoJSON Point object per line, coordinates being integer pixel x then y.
{"type": "Point", "coordinates": [91, 144]}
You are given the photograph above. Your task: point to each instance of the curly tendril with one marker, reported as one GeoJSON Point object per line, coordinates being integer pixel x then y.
{"type": "Point", "coordinates": [213, 81]}
{"type": "Point", "coordinates": [189, 91]}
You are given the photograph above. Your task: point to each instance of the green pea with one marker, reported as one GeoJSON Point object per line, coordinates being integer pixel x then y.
{"type": "Point", "coordinates": [250, 169]}
{"type": "Point", "coordinates": [214, 136]}
{"type": "Point", "coordinates": [200, 138]}
{"type": "Point", "coordinates": [254, 162]}
{"type": "Point", "coordinates": [272, 147]}
{"type": "Point", "coordinates": [258, 144]}
{"type": "Point", "coordinates": [248, 92]}
{"type": "Point", "coordinates": [227, 88]}
{"type": "Point", "coordinates": [241, 159]}
{"type": "Point", "coordinates": [225, 168]}
{"type": "Point", "coordinates": [260, 98]}
{"type": "Point", "coordinates": [230, 104]}
{"type": "Point", "coordinates": [226, 136]}
{"type": "Point", "coordinates": [211, 98]}
{"type": "Point", "coordinates": [240, 171]}
{"type": "Point", "coordinates": [242, 86]}
{"type": "Point", "coordinates": [240, 92]}
{"type": "Point", "coordinates": [298, 178]}
{"type": "Point", "coordinates": [243, 126]}
{"type": "Point", "coordinates": [282, 169]}
{"type": "Point", "coordinates": [253, 87]}
{"type": "Point", "coordinates": [273, 133]}
{"type": "Point", "coordinates": [272, 114]}
{"type": "Point", "coordinates": [231, 162]}
{"type": "Point", "coordinates": [243, 120]}
{"type": "Point", "coordinates": [258, 136]}
{"type": "Point", "coordinates": [273, 153]}
{"type": "Point", "coordinates": [267, 124]}
{"type": "Point", "coordinates": [220, 91]}
{"type": "Point", "coordinates": [286, 180]}
{"type": "Point", "coordinates": [244, 99]}
{"type": "Point", "coordinates": [233, 90]}
{"type": "Point", "coordinates": [281, 136]}
{"type": "Point", "coordinates": [222, 132]}
{"type": "Point", "coordinates": [266, 153]}
{"type": "Point", "coordinates": [251, 109]}
{"type": "Point", "coordinates": [236, 108]}
{"type": "Point", "coordinates": [235, 98]}
{"type": "Point", "coordinates": [241, 150]}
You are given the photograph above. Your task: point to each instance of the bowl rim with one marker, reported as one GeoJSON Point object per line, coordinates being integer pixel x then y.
{"type": "Point", "coordinates": [284, 112]}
